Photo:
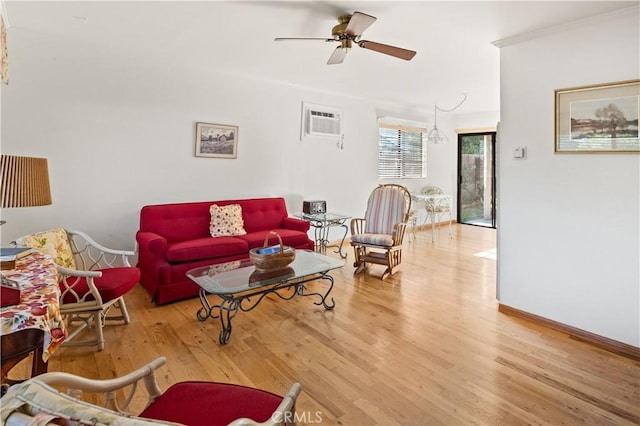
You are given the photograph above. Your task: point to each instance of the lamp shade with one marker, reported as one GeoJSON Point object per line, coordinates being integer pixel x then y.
{"type": "Point", "coordinates": [24, 181]}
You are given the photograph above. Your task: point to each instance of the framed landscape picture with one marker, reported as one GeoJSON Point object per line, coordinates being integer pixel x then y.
{"type": "Point", "coordinates": [216, 140]}
{"type": "Point", "coordinates": [602, 118]}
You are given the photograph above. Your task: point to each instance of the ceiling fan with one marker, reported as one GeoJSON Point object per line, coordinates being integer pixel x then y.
{"type": "Point", "coordinates": [348, 31]}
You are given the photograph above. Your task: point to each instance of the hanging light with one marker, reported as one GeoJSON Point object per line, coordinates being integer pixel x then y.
{"type": "Point", "coordinates": [434, 134]}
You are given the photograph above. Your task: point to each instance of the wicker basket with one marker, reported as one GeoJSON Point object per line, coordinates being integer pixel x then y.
{"type": "Point", "coordinates": [270, 258]}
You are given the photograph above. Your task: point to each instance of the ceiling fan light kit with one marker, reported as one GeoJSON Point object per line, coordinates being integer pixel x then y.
{"type": "Point", "coordinates": [348, 31]}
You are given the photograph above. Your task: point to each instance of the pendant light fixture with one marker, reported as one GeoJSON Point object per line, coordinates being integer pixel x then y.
{"type": "Point", "coordinates": [434, 134]}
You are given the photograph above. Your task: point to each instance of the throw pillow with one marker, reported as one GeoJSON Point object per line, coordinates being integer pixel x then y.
{"type": "Point", "coordinates": [55, 243]}
{"type": "Point", "coordinates": [226, 221]}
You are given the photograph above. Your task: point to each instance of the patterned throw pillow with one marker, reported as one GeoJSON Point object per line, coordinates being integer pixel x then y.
{"type": "Point", "coordinates": [55, 243]}
{"type": "Point", "coordinates": [226, 221]}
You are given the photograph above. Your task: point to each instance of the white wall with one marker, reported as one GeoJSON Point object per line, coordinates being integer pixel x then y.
{"type": "Point", "coordinates": [568, 225]}
{"type": "Point", "coordinates": [119, 134]}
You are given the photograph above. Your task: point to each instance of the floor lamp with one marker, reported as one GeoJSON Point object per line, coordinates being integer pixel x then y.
{"type": "Point", "coordinates": [24, 182]}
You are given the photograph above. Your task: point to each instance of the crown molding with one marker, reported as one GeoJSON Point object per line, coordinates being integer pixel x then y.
{"type": "Point", "coordinates": [530, 35]}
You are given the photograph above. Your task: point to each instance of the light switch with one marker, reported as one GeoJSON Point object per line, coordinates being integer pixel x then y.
{"type": "Point", "coordinates": [520, 152]}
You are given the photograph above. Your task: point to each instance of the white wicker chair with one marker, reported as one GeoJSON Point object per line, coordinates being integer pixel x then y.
{"type": "Point", "coordinates": [92, 279]}
{"type": "Point", "coordinates": [40, 395]}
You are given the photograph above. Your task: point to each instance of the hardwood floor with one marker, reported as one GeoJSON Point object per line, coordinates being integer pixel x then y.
{"type": "Point", "coordinates": [425, 346]}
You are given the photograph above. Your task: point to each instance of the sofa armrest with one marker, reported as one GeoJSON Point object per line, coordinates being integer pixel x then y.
{"type": "Point", "coordinates": [152, 261]}
{"type": "Point", "coordinates": [295, 224]}
{"type": "Point", "coordinates": [150, 242]}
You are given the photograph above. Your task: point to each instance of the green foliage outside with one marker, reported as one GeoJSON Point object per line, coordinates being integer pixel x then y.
{"type": "Point", "coordinates": [473, 144]}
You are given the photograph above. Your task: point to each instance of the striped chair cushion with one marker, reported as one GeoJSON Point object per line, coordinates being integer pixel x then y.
{"type": "Point", "coordinates": [385, 208]}
{"type": "Point", "coordinates": [373, 239]}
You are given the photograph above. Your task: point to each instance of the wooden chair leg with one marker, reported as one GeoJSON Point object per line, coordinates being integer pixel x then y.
{"type": "Point", "coordinates": [387, 272]}
{"type": "Point", "coordinates": [359, 263]}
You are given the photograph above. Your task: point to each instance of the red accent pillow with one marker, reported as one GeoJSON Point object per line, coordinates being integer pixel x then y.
{"type": "Point", "coordinates": [211, 404]}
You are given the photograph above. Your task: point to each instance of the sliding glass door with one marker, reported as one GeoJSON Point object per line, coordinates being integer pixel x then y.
{"type": "Point", "coordinates": [476, 179]}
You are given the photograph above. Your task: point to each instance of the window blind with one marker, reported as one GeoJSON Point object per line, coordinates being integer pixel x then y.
{"type": "Point", "coordinates": [401, 152]}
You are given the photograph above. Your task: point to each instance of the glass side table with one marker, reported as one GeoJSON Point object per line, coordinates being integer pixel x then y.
{"type": "Point", "coordinates": [322, 223]}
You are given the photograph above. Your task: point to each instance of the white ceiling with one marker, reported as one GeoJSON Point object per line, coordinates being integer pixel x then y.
{"type": "Point", "coordinates": [452, 38]}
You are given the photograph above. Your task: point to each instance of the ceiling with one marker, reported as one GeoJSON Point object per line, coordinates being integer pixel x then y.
{"type": "Point", "coordinates": [452, 38]}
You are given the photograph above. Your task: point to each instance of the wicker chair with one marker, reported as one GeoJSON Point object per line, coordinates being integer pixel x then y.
{"type": "Point", "coordinates": [92, 279]}
{"type": "Point", "coordinates": [377, 238]}
{"type": "Point", "coordinates": [184, 403]}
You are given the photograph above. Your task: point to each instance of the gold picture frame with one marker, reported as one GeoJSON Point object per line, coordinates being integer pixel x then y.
{"type": "Point", "coordinates": [598, 119]}
{"type": "Point", "coordinates": [216, 140]}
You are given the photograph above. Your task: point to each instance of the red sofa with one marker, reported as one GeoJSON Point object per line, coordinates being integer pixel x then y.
{"type": "Point", "coordinates": [174, 238]}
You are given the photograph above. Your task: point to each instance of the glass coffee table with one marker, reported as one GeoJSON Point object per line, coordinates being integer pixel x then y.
{"type": "Point", "coordinates": [240, 287]}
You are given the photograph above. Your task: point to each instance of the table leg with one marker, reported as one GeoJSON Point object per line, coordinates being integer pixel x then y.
{"type": "Point", "coordinates": [228, 310]}
{"type": "Point", "coordinates": [301, 291]}
{"type": "Point", "coordinates": [17, 346]}
{"type": "Point", "coordinates": [207, 310]}
{"type": "Point", "coordinates": [433, 226]}
{"type": "Point", "coordinates": [321, 236]}
{"type": "Point", "coordinates": [339, 251]}
{"type": "Point", "coordinates": [225, 311]}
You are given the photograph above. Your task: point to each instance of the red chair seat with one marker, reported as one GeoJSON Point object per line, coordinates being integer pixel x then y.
{"type": "Point", "coordinates": [211, 404]}
{"type": "Point", "coordinates": [114, 283]}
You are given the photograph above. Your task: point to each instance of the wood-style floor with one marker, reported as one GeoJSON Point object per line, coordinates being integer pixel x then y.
{"type": "Point", "coordinates": [426, 346]}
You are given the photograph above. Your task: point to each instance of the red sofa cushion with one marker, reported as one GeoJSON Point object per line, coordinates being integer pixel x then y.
{"type": "Point", "coordinates": [289, 238]}
{"type": "Point", "coordinates": [177, 222]}
{"type": "Point", "coordinates": [205, 248]}
{"type": "Point", "coordinates": [267, 213]}
{"type": "Point", "coordinates": [114, 283]}
{"type": "Point", "coordinates": [211, 404]}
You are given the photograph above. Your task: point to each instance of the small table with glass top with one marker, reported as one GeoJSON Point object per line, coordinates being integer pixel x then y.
{"type": "Point", "coordinates": [241, 287]}
{"type": "Point", "coordinates": [322, 222]}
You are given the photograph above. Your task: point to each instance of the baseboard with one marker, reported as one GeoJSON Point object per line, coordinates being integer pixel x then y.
{"type": "Point", "coordinates": [437, 224]}
{"type": "Point", "coordinates": [610, 345]}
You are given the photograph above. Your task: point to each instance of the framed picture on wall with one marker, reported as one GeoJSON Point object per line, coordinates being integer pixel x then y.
{"type": "Point", "coordinates": [216, 140]}
{"type": "Point", "coordinates": [601, 118]}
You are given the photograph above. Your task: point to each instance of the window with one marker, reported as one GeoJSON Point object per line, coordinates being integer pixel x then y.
{"type": "Point", "coordinates": [401, 152]}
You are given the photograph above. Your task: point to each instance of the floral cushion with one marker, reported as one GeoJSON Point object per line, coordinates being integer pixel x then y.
{"type": "Point", "coordinates": [55, 243]}
{"type": "Point", "coordinates": [37, 399]}
{"type": "Point", "coordinates": [226, 221]}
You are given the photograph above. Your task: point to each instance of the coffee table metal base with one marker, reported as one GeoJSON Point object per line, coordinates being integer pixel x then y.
{"type": "Point", "coordinates": [231, 304]}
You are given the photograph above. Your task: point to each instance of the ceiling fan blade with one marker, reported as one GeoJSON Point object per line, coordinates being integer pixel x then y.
{"type": "Point", "coordinates": [358, 23]}
{"type": "Point", "coordinates": [304, 38]}
{"type": "Point", "coordinates": [337, 56]}
{"type": "Point", "coordinates": [398, 52]}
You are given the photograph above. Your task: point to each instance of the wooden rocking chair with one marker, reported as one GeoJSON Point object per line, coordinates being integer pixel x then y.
{"type": "Point", "coordinates": [377, 238]}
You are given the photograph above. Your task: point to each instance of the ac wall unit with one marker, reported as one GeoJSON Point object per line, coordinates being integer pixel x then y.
{"type": "Point", "coordinates": [321, 122]}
